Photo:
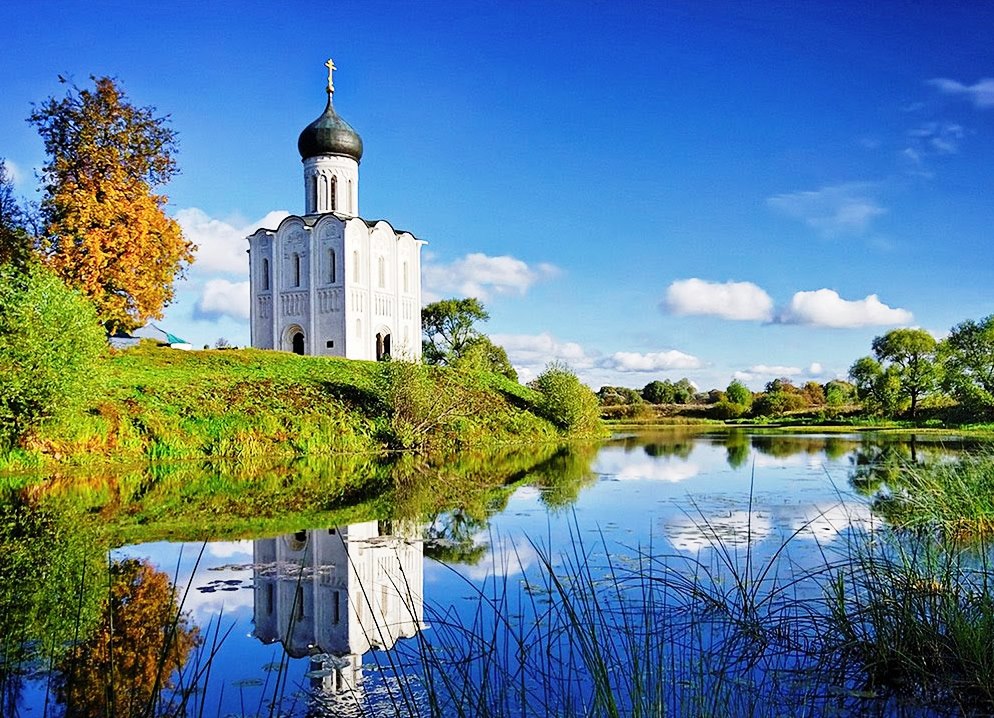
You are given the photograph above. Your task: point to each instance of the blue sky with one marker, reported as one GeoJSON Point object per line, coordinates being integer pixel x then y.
{"type": "Point", "coordinates": [648, 191]}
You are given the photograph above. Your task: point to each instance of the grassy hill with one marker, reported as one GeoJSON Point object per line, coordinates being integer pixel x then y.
{"type": "Point", "coordinates": [151, 403]}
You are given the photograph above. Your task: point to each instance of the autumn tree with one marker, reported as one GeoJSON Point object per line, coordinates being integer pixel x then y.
{"type": "Point", "coordinates": [142, 639]}
{"type": "Point", "coordinates": [106, 232]}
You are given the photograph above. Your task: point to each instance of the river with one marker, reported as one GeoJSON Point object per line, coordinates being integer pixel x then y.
{"type": "Point", "coordinates": [657, 573]}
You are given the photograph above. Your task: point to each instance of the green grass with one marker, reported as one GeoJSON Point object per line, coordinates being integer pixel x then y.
{"type": "Point", "coordinates": [955, 498]}
{"type": "Point", "coordinates": [161, 405]}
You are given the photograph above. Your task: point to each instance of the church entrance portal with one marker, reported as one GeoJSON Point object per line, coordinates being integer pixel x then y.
{"type": "Point", "coordinates": [382, 346]}
{"type": "Point", "coordinates": [298, 343]}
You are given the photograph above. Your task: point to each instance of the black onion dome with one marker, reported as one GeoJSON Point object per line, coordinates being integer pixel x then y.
{"type": "Point", "coordinates": [329, 135]}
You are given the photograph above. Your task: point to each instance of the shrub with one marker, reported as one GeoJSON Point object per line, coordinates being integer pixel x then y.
{"type": "Point", "coordinates": [49, 340]}
{"type": "Point", "coordinates": [567, 402]}
{"type": "Point", "coordinates": [728, 410]}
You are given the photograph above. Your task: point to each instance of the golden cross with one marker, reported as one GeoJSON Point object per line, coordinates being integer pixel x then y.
{"type": "Point", "coordinates": [331, 68]}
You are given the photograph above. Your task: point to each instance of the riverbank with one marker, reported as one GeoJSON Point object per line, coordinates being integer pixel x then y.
{"type": "Point", "coordinates": [151, 404]}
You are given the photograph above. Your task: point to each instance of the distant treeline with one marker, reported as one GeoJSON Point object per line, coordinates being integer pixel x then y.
{"type": "Point", "coordinates": [910, 374]}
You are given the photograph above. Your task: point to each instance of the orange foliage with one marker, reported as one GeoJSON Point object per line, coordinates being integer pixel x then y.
{"type": "Point", "coordinates": [141, 641]}
{"type": "Point", "coordinates": [107, 234]}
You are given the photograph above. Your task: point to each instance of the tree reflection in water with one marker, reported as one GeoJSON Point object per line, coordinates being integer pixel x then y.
{"type": "Point", "coordinates": [129, 660]}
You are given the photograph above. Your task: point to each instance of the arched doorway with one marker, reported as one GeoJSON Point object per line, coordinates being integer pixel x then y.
{"type": "Point", "coordinates": [382, 345]}
{"type": "Point", "coordinates": [298, 343]}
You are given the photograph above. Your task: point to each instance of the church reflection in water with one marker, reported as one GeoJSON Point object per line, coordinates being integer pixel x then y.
{"type": "Point", "coordinates": [335, 594]}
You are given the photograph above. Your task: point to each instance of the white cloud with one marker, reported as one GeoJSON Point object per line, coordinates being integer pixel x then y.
{"type": "Point", "coordinates": [221, 298]}
{"type": "Point", "coordinates": [479, 275]}
{"type": "Point", "coordinates": [847, 208]}
{"type": "Point", "coordinates": [652, 361]}
{"type": "Point", "coordinates": [221, 245]}
{"type": "Point", "coordinates": [825, 308]}
{"type": "Point", "coordinates": [731, 300]}
{"type": "Point", "coordinates": [980, 94]}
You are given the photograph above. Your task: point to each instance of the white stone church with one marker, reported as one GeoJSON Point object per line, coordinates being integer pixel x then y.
{"type": "Point", "coordinates": [329, 282]}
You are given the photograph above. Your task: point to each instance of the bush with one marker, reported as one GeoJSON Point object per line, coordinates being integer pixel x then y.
{"type": "Point", "coordinates": [565, 401]}
{"type": "Point", "coordinates": [49, 340]}
{"type": "Point", "coordinates": [728, 410]}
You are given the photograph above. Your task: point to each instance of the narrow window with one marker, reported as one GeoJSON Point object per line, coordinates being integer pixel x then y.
{"type": "Point", "coordinates": [406, 287]}
{"type": "Point", "coordinates": [331, 266]}
{"type": "Point", "coordinates": [355, 266]}
{"type": "Point", "coordinates": [265, 274]}
{"type": "Point", "coordinates": [358, 327]}
{"type": "Point", "coordinates": [299, 602]}
{"type": "Point", "coordinates": [350, 207]}
{"type": "Point", "coordinates": [334, 194]}
{"type": "Point", "coordinates": [381, 270]}
{"type": "Point", "coordinates": [336, 609]}
{"type": "Point", "coordinates": [296, 269]}
{"type": "Point", "coordinates": [313, 190]}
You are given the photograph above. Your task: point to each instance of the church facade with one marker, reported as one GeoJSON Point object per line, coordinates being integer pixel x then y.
{"type": "Point", "coordinates": [328, 282]}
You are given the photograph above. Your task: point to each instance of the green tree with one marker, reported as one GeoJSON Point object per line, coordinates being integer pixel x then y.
{"type": "Point", "coordinates": [449, 327]}
{"type": "Point", "coordinates": [15, 240]}
{"type": "Point", "coordinates": [684, 391]}
{"type": "Point", "coordinates": [49, 339]}
{"type": "Point", "coordinates": [566, 401]}
{"type": "Point", "coordinates": [738, 393]}
{"type": "Point", "coordinates": [968, 359]}
{"type": "Point", "coordinates": [481, 354]}
{"type": "Point", "coordinates": [659, 392]}
{"type": "Point", "coordinates": [106, 232]}
{"type": "Point", "coordinates": [911, 352]}
{"type": "Point", "coordinates": [839, 394]}
{"type": "Point", "coordinates": [878, 387]}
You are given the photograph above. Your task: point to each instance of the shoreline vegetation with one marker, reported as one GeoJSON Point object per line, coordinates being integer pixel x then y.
{"type": "Point", "coordinates": [148, 404]}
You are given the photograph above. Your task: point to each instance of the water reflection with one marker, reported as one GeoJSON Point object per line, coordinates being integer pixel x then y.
{"type": "Point", "coordinates": [335, 594]}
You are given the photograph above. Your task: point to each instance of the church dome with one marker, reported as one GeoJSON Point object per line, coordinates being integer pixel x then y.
{"type": "Point", "coordinates": [329, 135]}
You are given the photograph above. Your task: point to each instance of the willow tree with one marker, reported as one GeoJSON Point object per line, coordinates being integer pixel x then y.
{"type": "Point", "coordinates": [106, 231]}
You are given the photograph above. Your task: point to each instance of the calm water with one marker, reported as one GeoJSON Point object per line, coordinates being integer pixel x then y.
{"type": "Point", "coordinates": [339, 620]}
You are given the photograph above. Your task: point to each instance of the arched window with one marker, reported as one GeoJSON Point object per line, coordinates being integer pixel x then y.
{"type": "Point", "coordinates": [334, 194]}
{"type": "Point", "coordinates": [355, 266]}
{"type": "Point", "coordinates": [331, 266]}
{"type": "Point", "coordinates": [406, 286]}
{"type": "Point", "coordinates": [312, 189]}
{"type": "Point", "coordinates": [265, 274]}
{"type": "Point", "coordinates": [381, 272]}
{"type": "Point", "coordinates": [322, 194]}
{"type": "Point", "coordinates": [296, 269]}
